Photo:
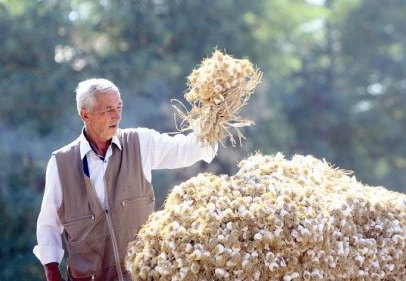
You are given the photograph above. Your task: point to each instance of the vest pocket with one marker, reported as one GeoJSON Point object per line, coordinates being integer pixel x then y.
{"type": "Point", "coordinates": [77, 228]}
{"type": "Point", "coordinates": [79, 219]}
{"type": "Point", "coordinates": [137, 200]}
{"type": "Point", "coordinates": [83, 262]}
{"type": "Point", "coordinates": [132, 214]}
{"type": "Point", "coordinates": [82, 278]}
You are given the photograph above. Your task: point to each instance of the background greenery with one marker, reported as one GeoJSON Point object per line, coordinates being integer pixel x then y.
{"type": "Point", "coordinates": [334, 86]}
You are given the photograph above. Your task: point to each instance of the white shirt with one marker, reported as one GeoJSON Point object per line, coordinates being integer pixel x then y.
{"type": "Point", "coordinates": [158, 151]}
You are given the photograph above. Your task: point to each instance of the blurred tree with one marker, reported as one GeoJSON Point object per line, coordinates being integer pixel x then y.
{"type": "Point", "coordinates": [373, 51]}
{"type": "Point", "coordinates": [30, 75]}
{"type": "Point", "coordinates": [18, 212]}
{"type": "Point", "coordinates": [314, 103]}
{"type": "Point", "coordinates": [284, 45]}
{"type": "Point", "coordinates": [33, 103]}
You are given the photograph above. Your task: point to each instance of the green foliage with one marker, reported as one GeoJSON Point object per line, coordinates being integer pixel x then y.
{"type": "Point", "coordinates": [19, 208]}
{"type": "Point", "coordinates": [33, 84]}
{"type": "Point", "coordinates": [373, 40]}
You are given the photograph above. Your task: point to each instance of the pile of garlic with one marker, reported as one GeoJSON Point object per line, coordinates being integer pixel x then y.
{"type": "Point", "coordinates": [217, 90]}
{"type": "Point", "coordinates": [275, 219]}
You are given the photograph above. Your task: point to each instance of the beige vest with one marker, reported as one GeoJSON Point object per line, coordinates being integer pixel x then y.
{"type": "Point", "coordinates": [96, 240]}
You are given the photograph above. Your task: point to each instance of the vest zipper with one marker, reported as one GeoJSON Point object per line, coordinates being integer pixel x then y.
{"type": "Point", "coordinates": [112, 235]}
{"type": "Point", "coordinates": [115, 248]}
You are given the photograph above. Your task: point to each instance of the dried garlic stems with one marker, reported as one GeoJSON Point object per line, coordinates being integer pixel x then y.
{"type": "Point", "coordinates": [218, 89]}
{"type": "Point", "coordinates": [276, 219]}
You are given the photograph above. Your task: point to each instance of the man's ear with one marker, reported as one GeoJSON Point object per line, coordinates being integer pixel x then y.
{"type": "Point", "coordinates": [84, 114]}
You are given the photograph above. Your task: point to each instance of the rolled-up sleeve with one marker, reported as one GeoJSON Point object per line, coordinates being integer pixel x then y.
{"type": "Point", "coordinates": [49, 229]}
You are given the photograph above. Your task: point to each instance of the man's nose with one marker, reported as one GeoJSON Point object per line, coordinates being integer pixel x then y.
{"type": "Point", "coordinates": [116, 114]}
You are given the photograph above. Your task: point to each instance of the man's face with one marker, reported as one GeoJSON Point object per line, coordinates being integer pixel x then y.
{"type": "Point", "coordinates": [102, 122]}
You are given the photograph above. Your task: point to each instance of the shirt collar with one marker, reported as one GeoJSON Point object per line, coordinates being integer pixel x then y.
{"type": "Point", "coordinates": [85, 146]}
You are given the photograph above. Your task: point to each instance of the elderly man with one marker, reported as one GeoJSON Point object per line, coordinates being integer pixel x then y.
{"type": "Point", "coordinates": [98, 188]}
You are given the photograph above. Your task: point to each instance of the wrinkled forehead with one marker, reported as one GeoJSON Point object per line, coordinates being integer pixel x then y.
{"type": "Point", "coordinates": [108, 99]}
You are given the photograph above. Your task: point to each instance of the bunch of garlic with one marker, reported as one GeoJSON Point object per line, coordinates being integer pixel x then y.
{"type": "Point", "coordinates": [275, 219]}
{"type": "Point", "coordinates": [217, 90]}
{"type": "Point", "coordinates": [218, 77]}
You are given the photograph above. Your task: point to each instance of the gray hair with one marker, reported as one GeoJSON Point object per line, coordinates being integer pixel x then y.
{"type": "Point", "coordinates": [88, 89]}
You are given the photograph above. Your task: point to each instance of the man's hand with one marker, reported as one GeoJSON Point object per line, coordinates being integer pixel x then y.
{"type": "Point", "coordinates": [52, 272]}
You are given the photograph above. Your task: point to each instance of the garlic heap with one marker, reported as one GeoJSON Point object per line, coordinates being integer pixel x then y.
{"type": "Point", "coordinates": [275, 219]}
{"type": "Point", "coordinates": [218, 89]}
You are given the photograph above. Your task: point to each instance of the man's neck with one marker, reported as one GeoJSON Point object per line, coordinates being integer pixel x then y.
{"type": "Point", "coordinates": [100, 148]}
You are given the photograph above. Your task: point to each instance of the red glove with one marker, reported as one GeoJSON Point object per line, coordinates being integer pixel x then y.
{"type": "Point", "coordinates": [52, 272]}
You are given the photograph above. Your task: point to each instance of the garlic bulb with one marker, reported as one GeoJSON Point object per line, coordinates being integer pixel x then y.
{"type": "Point", "coordinates": [298, 219]}
{"type": "Point", "coordinates": [217, 91]}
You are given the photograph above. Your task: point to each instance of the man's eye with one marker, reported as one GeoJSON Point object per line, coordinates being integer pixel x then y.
{"type": "Point", "coordinates": [110, 110]}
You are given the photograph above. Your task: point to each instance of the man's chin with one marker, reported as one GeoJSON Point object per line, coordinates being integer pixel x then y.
{"type": "Point", "coordinates": [113, 131]}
